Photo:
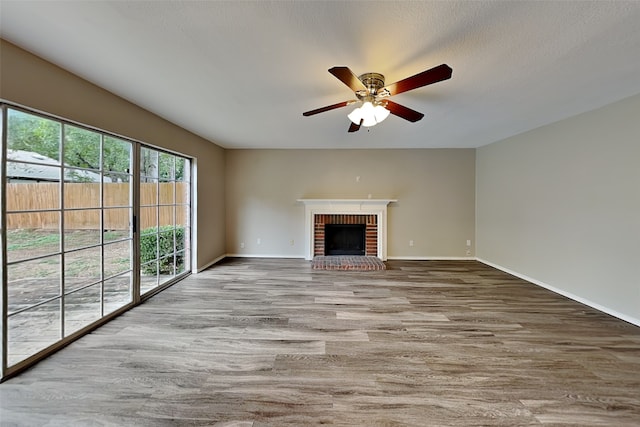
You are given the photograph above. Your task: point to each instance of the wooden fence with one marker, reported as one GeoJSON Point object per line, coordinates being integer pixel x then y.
{"type": "Point", "coordinates": [40, 196]}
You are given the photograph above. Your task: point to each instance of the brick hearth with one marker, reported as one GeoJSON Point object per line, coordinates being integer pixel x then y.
{"type": "Point", "coordinates": [353, 263]}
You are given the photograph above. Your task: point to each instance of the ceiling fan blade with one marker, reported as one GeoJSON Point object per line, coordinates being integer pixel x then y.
{"type": "Point", "coordinates": [354, 127]}
{"type": "Point", "coordinates": [328, 108]}
{"type": "Point", "coordinates": [434, 75]}
{"type": "Point", "coordinates": [404, 112]}
{"type": "Point", "coordinates": [346, 76]}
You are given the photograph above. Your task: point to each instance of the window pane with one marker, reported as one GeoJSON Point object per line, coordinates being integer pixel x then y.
{"type": "Point", "coordinates": [117, 194]}
{"type": "Point", "coordinates": [116, 156]}
{"type": "Point", "coordinates": [117, 223]}
{"type": "Point", "coordinates": [114, 235]}
{"type": "Point", "coordinates": [182, 169]}
{"type": "Point", "coordinates": [183, 238]}
{"type": "Point", "coordinates": [81, 308]}
{"type": "Point", "coordinates": [148, 220]}
{"type": "Point", "coordinates": [31, 282]}
{"type": "Point", "coordinates": [148, 276]}
{"type": "Point", "coordinates": [32, 330]}
{"type": "Point", "coordinates": [82, 268]}
{"type": "Point", "coordinates": [117, 258]}
{"type": "Point", "coordinates": [148, 164]}
{"type": "Point", "coordinates": [180, 262]}
{"type": "Point", "coordinates": [149, 250]}
{"type": "Point", "coordinates": [31, 173]}
{"type": "Point", "coordinates": [81, 228]}
{"type": "Point", "coordinates": [166, 216]}
{"type": "Point", "coordinates": [167, 268]}
{"type": "Point", "coordinates": [81, 148]}
{"type": "Point", "coordinates": [116, 177]}
{"type": "Point", "coordinates": [167, 241]}
{"type": "Point", "coordinates": [81, 195]}
{"type": "Point", "coordinates": [29, 135]}
{"type": "Point", "coordinates": [182, 193]}
{"type": "Point", "coordinates": [166, 166]}
{"type": "Point", "coordinates": [31, 235]}
{"type": "Point", "coordinates": [32, 187]}
{"type": "Point", "coordinates": [149, 193]}
{"type": "Point", "coordinates": [182, 215]}
{"type": "Point", "coordinates": [81, 175]}
{"type": "Point", "coordinates": [117, 293]}
{"type": "Point", "coordinates": [166, 191]}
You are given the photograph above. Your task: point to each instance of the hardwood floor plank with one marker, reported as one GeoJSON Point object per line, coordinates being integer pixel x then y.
{"type": "Point", "coordinates": [271, 342]}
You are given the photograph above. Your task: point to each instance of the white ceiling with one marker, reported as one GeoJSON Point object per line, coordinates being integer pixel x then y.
{"type": "Point", "coordinates": [240, 73]}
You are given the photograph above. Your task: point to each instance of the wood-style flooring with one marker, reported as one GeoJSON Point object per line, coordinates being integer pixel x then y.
{"type": "Point", "coordinates": [266, 342]}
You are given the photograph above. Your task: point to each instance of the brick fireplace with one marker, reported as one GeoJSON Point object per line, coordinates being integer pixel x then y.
{"type": "Point", "coordinates": [370, 212]}
{"type": "Point", "coordinates": [369, 221]}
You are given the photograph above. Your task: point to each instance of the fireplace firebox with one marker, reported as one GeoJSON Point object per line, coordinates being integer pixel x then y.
{"type": "Point", "coordinates": [345, 239]}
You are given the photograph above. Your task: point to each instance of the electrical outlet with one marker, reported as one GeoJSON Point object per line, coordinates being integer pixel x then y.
{"type": "Point", "coordinates": [291, 242]}
{"type": "Point", "coordinates": [259, 241]}
{"type": "Point", "coordinates": [242, 245]}
{"type": "Point", "coordinates": [410, 242]}
{"type": "Point", "coordinates": [468, 242]}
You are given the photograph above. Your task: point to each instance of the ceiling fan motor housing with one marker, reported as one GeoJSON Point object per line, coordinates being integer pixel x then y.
{"type": "Point", "coordinates": [373, 82]}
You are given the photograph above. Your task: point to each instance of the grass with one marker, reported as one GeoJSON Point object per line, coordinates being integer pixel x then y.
{"type": "Point", "coordinates": [24, 238]}
{"type": "Point", "coordinates": [115, 235]}
{"type": "Point", "coordinates": [31, 239]}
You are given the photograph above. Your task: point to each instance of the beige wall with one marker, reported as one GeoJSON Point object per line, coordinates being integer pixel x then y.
{"type": "Point", "coordinates": [435, 191]}
{"type": "Point", "coordinates": [30, 81]}
{"type": "Point", "coordinates": [561, 205]}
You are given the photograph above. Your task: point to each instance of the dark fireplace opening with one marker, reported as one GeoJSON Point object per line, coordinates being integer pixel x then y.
{"type": "Point", "coordinates": [344, 239]}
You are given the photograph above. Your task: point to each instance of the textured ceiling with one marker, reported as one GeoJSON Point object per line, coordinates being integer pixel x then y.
{"type": "Point", "coordinates": [240, 73]}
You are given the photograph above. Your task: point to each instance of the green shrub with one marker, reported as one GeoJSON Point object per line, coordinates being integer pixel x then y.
{"type": "Point", "coordinates": [150, 241]}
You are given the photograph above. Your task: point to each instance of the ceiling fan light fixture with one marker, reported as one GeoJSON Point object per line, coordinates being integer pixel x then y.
{"type": "Point", "coordinates": [355, 116]}
{"type": "Point", "coordinates": [368, 114]}
{"type": "Point", "coordinates": [380, 113]}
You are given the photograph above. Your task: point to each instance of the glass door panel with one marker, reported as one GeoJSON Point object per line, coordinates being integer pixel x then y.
{"type": "Point", "coordinates": [69, 205]}
{"type": "Point", "coordinates": [82, 308]}
{"type": "Point", "coordinates": [32, 330]}
{"type": "Point", "coordinates": [164, 217]}
{"type": "Point", "coordinates": [33, 233]}
{"type": "Point", "coordinates": [82, 228]}
{"type": "Point", "coordinates": [117, 224]}
{"type": "Point", "coordinates": [116, 292]}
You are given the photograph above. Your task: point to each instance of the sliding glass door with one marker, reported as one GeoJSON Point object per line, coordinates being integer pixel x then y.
{"type": "Point", "coordinates": [68, 222]}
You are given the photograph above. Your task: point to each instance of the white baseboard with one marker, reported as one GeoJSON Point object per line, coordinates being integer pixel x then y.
{"type": "Point", "coordinates": [432, 258]}
{"type": "Point", "coordinates": [569, 295]}
{"type": "Point", "coordinates": [264, 256]}
{"type": "Point", "coordinates": [400, 258]}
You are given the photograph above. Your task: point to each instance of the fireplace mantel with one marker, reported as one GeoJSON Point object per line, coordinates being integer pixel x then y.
{"type": "Point", "coordinates": [376, 207]}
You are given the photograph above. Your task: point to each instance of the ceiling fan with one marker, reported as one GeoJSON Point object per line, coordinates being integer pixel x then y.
{"type": "Point", "coordinates": [369, 88]}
